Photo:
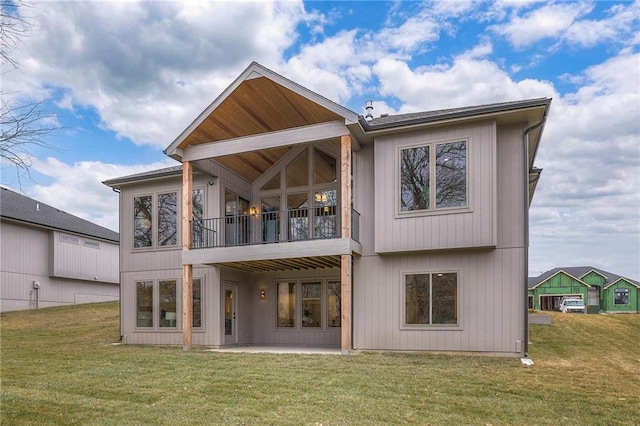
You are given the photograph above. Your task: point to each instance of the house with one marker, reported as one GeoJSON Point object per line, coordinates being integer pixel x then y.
{"type": "Point", "coordinates": [51, 258]}
{"type": "Point", "coordinates": [601, 290]}
{"type": "Point", "coordinates": [295, 221]}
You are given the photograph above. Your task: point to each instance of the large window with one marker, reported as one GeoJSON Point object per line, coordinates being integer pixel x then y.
{"type": "Point", "coordinates": [621, 296]}
{"type": "Point", "coordinates": [334, 303]}
{"type": "Point", "coordinates": [159, 227]}
{"type": "Point", "coordinates": [168, 219]}
{"type": "Point", "coordinates": [312, 304]}
{"type": "Point", "coordinates": [431, 299]}
{"type": "Point", "coordinates": [144, 303]}
{"type": "Point", "coordinates": [167, 303]}
{"type": "Point", "coordinates": [157, 304]}
{"type": "Point", "coordinates": [305, 304]}
{"type": "Point", "coordinates": [286, 304]}
{"type": "Point", "coordinates": [433, 176]}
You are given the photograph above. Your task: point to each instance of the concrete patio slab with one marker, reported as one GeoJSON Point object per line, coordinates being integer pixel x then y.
{"type": "Point", "coordinates": [279, 350]}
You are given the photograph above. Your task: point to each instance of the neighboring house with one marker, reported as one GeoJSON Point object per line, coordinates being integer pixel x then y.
{"type": "Point", "coordinates": [294, 221]}
{"type": "Point", "coordinates": [51, 258]}
{"type": "Point", "coordinates": [602, 291]}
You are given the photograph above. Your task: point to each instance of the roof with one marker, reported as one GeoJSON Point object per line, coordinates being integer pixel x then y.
{"type": "Point", "coordinates": [151, 174]}
{"type": "Point", "coordinates": [23, 209]}
{"type": "Point", "coordinates": [579, 272]}
{"type": "Point", "coordinates": [423, 117]}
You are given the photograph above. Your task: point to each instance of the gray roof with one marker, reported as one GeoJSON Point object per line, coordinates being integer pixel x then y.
{"type": "Point", "coordinates": [27, 210]}
{"type": "Point", "coordinates": [391, 121]}
{"type": "Point", "coordinates": [579, 271]}
{"type": "Point", "coordinates": [151, 174]}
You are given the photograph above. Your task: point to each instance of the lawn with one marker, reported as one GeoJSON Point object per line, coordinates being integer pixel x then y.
{"type": "Point", "coordinates": [60, 366]}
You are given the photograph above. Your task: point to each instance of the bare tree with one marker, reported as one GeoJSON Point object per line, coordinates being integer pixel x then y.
{"type": "Point", "coordinates": [23, 126]}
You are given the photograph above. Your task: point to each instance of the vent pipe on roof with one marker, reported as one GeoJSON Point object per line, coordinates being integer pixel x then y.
{"type": "Point", "coordinates": [37, 207]}
{"type": "Point", "coordinates": [369, 107]}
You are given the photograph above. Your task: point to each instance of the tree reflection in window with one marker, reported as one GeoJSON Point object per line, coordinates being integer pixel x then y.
{"type": "Point", "coordinates": [414, 178]}
{"type": "Point", "coordinates": [431, 299]}
{"type": "Point", "coordinates": [168, 219]}
{"type": "Point", "coordinates": [142, 217]}
{"type": "Point", "coordinates": [433, 175]}
{"type": "Point", "coordinates": [334, 303]}
{"type": "Point", "coordinates": [451, 174]}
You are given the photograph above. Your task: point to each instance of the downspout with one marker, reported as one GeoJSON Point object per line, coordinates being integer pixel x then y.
{"type": "Point", "coordinates": [122, 336]}
{"type": "Point", "coordinates": [527, 170]}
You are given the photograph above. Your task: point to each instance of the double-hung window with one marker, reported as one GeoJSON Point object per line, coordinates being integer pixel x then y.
{"type": "Point", "coordinates": [433, 176]}
{"type": "Point", "coordinates": [431, 298]}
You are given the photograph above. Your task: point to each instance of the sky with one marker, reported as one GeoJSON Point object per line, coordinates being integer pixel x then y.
{"type": "Point", "coordinates": [123, 79]}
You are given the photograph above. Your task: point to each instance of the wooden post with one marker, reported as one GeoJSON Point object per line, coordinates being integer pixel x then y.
{"type": "Point", "coordinates": [345, 260]}
{"type": "Point", "coordinates": [187, 270]}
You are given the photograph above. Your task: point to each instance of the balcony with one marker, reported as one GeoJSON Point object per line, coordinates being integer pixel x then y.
{"type": "Point", "coordinates": [304, 224]}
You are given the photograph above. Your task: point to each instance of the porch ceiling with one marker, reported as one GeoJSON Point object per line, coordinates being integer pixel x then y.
{"type": "Point", "coordinates": [317, 262]}
{"type": "Point", "coordinates": [258, 105]}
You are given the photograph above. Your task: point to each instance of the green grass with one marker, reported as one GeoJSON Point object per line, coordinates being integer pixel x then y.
{"type": "Point", "coordinates": [59, 366]}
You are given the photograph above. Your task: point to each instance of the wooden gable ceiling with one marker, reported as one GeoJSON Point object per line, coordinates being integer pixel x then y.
{"type": "Point", "coordinates": [257, 105]}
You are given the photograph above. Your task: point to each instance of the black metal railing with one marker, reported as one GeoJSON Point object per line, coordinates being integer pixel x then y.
{"type": "Point", "coordinates": [309, 223]}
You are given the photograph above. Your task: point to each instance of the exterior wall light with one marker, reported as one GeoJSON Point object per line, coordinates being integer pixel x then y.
{"type": "Point", "coordinates": [263, 293]}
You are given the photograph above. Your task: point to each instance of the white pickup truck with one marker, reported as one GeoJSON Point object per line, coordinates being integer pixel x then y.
{"type": "Point", "coordinates": [572, 304]}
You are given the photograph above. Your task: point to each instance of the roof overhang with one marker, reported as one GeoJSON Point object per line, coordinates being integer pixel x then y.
{"type": "Point", "coordinates": [259, 101]}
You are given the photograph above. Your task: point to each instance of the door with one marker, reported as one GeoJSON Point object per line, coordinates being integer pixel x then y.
{"type": "Point", "coordinates": [230, 326]}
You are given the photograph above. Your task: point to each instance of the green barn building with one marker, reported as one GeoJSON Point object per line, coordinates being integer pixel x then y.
{"type": "Point", "coordinates": [602, 291]}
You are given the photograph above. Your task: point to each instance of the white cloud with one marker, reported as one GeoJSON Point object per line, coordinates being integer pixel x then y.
{"type": "Point", "coordinates": [547, 21]}
{"type": "Point", "coordinates": [148, 68]}
{"type": "Point", "coordinates": [588, 200]}
{"type": "Point", "coordinates": [566, 21]}
{"type": "Point", "coordinates": [77, 189]}
{"type": "Point", "coordinates": [467, 81]}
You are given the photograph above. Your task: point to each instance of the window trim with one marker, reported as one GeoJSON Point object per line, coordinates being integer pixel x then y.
{"type": "Point", "coordinates": [431, 327]}
{"type": "Point", "coordinates": [155, 305]}
{"type": "Point", "coordinates": [324, 304]}
{"type": "Point", "coordinates": [432, 210]}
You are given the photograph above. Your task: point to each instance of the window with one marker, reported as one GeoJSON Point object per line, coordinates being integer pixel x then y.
{"type": "Point", "coordinates": [198, 217]}
{"type": "Point", "coordinates": [286, 304]}
{"type": "Point", "coordinates": [167, 295]}
{"type": "Point", "coordinates": [298, 170]}
{"type": "Point", "coordinates": [312, 304]}
{"type": "Point", "coordinates": [433, 175]}
{"type": "Point", "coordinates": [621, 296]}
{"type": "Point", "coordinates": [144, 303]}
{"type": "Point", "coordinates": [304, 304]}
{"type": "Point", "coordinates": [68, 239]}
{"type": "Point", "coordinates": [236, 223]}
{"type": "Point", "coordinates": [158, 303]}
{"type": "Point", "coordinates": [91, 244]}
{"type": "Point", "coordinates": [334, 305]}
{"type": "Point", "coordinates": [431, 299]}
{"type": "Point", "coordinates": [142, 217]}
{"type": "Point", "coordinates": [324, 215]}
{"type": "Point", "coordinates": [197, 303]}
{"type": "Point", "coordinates": [168, 219]}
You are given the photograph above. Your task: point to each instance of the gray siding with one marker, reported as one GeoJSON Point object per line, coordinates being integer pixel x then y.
{"type": "Point", "coordinates": [489, 301]}
{"type": "Point", "coordinates": [490, 280]}
{"type": "Point", "coordinates": [87, 259]}
{"type": "Point", "coordinates": [26, 257]}
{"type": "Point", "coordinates": [265, 331]}
{"type": "Point", "coordinates": [470, 227]}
